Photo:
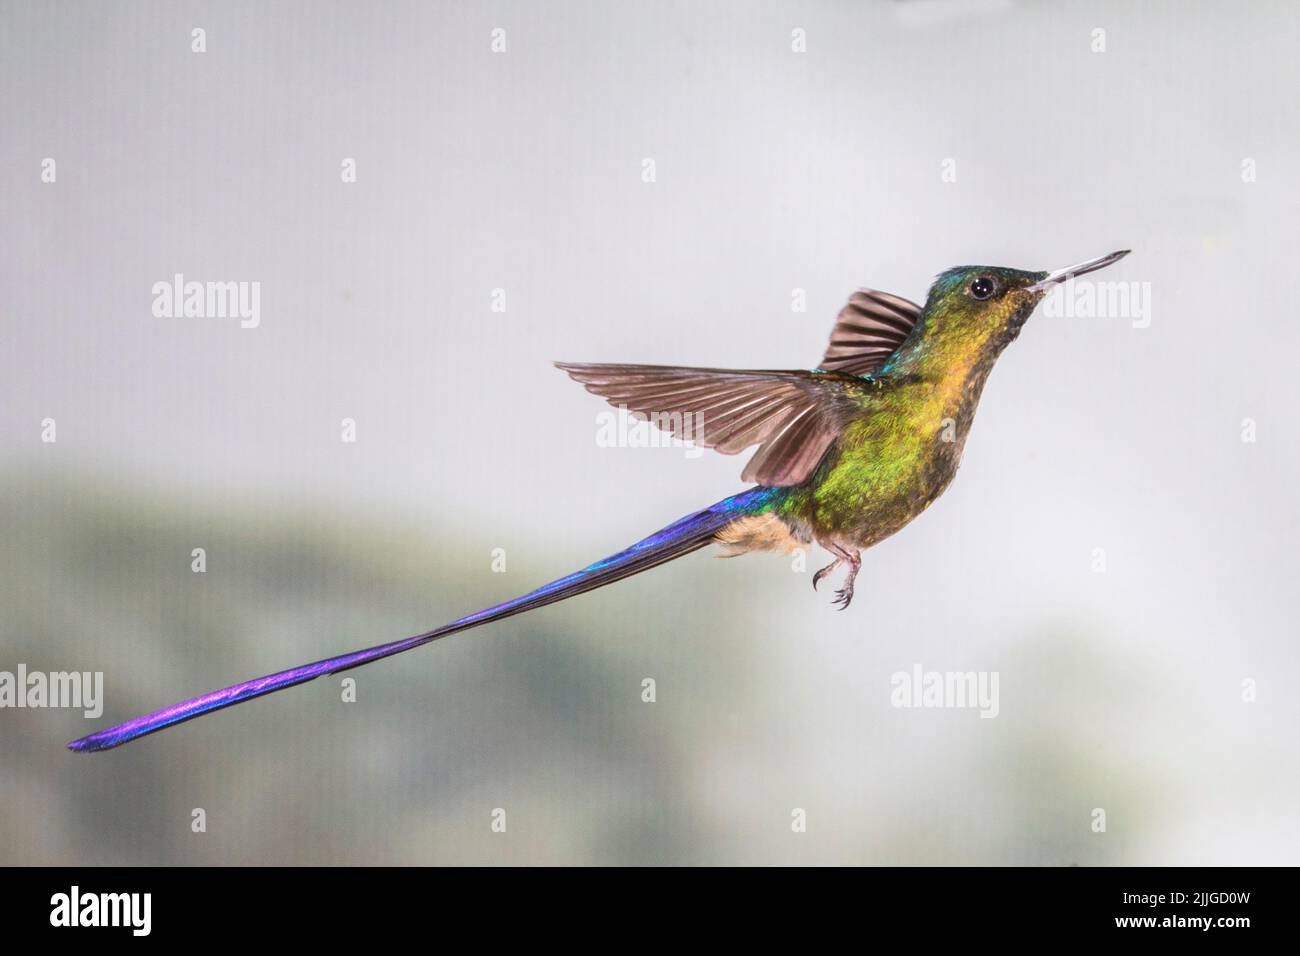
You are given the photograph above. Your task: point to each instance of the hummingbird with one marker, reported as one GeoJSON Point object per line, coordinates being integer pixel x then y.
{"type": "Point", "coordinates": [848, 452]}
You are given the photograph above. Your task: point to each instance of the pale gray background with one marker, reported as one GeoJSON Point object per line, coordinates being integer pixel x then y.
{"type": "Point", "coordinates": [775, 170]}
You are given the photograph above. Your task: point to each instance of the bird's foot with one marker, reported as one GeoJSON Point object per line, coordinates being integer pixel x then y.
{"type": "Point", "coordinates": [844, 596]}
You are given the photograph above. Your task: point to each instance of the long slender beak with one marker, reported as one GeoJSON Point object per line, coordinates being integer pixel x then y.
{"type": "Point", "coordinates": [1069, 272]}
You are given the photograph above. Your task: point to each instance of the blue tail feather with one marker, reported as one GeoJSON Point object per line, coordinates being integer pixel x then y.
{"type": "Point", "coordinates": [679, 538]}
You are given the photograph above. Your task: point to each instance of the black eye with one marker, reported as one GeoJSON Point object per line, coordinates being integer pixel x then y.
{"type": "Point", "coordinates": [982, 287]}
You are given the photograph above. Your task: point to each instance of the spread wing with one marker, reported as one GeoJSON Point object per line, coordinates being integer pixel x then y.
{"type": "Point", "coordinates": [868, 330]}
{"type": "Point", "coordinates": [793, 417]}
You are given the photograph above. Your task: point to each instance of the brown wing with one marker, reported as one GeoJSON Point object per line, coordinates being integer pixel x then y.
{"type": "Point", "coordinates": [868, 330]}
{"type": "Point", "coordinates": [794, 416]}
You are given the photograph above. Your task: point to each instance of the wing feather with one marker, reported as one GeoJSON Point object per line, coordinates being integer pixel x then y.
{"type": "Point", "coordinates": [794, 417]}
{"type": "Point", "coordinates": [731, 410]}
{"type": "Point", "coordinates": [868, 330]}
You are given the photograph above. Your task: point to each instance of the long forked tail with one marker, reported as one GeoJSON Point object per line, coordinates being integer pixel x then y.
{"type": "Point", "coordinates": [681, 537]}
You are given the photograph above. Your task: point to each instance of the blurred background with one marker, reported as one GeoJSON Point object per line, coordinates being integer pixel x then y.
{"type": "Point", "coordinates": [795, 146]}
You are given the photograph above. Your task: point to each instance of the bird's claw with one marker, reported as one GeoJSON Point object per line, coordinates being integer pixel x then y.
{"type": "Point", "coordinates": [823, 572]}
{"type": "Point", "coordinates": [845, 594]}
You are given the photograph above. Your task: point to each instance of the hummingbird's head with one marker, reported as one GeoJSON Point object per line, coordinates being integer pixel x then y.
{"type": "Point", "coordinates": [983, 308]}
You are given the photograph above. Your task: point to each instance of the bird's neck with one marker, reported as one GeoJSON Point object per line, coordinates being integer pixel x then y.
{"type": "Point", "coordinates": [941, 346]}
{"type": "Point", "coordinates": [946, 369]}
